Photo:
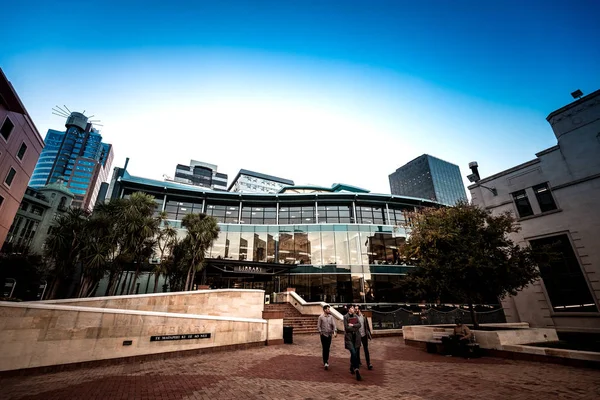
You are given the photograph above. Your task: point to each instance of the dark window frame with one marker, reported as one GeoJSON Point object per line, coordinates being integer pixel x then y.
{"type": "Point", "coordinates": [12, 177]}
{"type": "Point", "coordinates": [6, 135]}
{"type": "Point", "coordinates": [566, 286]}
{"type": "Point", "coordinates": [544, 197]}
{"type": "Point", "coordinates": [519, 199]}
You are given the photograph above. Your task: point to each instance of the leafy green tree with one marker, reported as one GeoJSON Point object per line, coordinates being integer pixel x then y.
{"type": "Point", "coordinates": [464, 254]}
{"type": "Point", "coordinates": [202, 230]}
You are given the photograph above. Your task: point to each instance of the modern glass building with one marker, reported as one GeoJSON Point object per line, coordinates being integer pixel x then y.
{"type": "Point", "coordinates": [76, 156]}
{"type": "Point", "coordinates": [430, 178]}
{"type": "Point", "coordinates": [330, 246]}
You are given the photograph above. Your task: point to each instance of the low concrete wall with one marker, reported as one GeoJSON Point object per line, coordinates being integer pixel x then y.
{"type": "Point", "coordinates": [486, 339]}
{"type": "Point", "coordinates": [220, 302]}
{"type": "Point", "coordinates": [35, 335]}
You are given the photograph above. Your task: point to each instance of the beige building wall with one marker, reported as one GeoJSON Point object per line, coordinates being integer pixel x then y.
{"type": "Point", "coordinates": [572, 170]}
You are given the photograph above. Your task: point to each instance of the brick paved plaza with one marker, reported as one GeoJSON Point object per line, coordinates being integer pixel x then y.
{"type": "Point", "coordinates": [295, 372]}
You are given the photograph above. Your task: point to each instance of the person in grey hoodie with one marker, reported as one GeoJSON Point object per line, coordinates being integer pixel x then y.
{"type": "Point", "coordinates": [327, 329]}
{"type": "Point", "coordinates": [352, 339]}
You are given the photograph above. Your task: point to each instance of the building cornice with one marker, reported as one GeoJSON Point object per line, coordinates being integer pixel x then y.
{"type": "Point", "coordinates": [505, 172]}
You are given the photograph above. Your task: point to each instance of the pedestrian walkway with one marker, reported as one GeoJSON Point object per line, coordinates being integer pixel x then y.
{"type": "Point", "coordinates": [295, 372]}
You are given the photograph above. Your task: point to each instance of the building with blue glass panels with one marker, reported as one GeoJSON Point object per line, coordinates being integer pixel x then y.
{"type": "Point", "coordinates": [335, 246]}
{"type": "Point", "coordinates": [78, 157]}
{"type": "Point", "coordinates": [428, 177]}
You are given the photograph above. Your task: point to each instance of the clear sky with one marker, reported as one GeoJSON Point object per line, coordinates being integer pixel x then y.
{"type": "Point", "coordinates": [315, 91]}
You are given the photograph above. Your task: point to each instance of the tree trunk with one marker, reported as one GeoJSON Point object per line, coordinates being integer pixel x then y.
{"type": "Point", "coordinates": [187, 279]}
{"type": "Point", "coordinates": [193, 279]}
{"type": "Point", "coordinates": [115, 288]}
{"type": "Point", "coordinates": [124, 285]}
{"type": "Point", "coordinates": [473, 316]}
{"type": "Point", "coordinates": [53, 287]}
{"type": "Point", "coordinates": [156, 278]}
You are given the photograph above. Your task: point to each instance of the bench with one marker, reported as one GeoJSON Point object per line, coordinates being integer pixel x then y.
{"type": "Point", "coordinates": [435, 345]}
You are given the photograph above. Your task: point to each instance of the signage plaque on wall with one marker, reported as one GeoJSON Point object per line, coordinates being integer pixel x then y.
{"type": "Point", "coordinates": [185, 336]}
{"type": "Point", "coordinates": [250, 269]}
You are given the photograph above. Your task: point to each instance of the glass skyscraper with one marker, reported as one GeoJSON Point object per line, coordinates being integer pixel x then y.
{"type": "Point", "coordinates": [429, 178]}
{"type": "Point", "coordinates": [76, 156]}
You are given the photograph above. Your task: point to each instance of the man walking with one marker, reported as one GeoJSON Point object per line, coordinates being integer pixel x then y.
{"type": "Point", "coordinates": [327, 329]}
{"type": "Point", "coordinates": [352, 339]}
{"type": "Point", "coordinates": [365, 336]}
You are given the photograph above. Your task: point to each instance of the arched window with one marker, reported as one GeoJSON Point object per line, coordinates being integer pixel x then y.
{"type": "Point", "coordinates": [63, 202]}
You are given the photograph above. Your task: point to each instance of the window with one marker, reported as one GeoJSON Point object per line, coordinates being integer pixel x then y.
{"type": "Point", "coordinates": [562, 275]}
{"type": "Point", "coordinates": [22, 151]}
{"type": "Point", "coordinates": [6, 129]}
{"type": "Point", "coordinates": [522, 203]}
{"type": "Point", "coordinates": [544, 197]}
{"type": "Point", "coordinates": [1, 200]}
{"type": "Point", "coordinates": [10, 176]}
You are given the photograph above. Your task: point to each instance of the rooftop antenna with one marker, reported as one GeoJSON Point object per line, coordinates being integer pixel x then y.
{"type": "Point", "coordinates": [67, 108]}
{"type": "Point", "coordinates": [577, 94]}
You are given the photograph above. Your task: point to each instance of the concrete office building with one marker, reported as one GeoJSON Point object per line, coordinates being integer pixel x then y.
{"type": "Point", "coordinates": [20, 148]}
{"type": "Point", "coordinates": [254, 182]}
{"type": "Point", "coordinates": [36, 217]}
{"type": "Point", "coordinates": [555, 198]}
{"type": "Point", "coordinates": [200, 173]}
{"type": "Point", "coordinates": [428, 177]}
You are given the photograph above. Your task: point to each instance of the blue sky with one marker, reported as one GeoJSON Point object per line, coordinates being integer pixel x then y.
{"type": "Point", "coordinates": [314, 91]}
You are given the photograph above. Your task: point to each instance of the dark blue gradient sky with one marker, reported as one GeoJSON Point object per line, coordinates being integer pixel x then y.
{"type": "Point", "coordinates": [363, 86]}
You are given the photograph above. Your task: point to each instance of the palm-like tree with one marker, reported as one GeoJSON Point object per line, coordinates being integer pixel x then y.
{"type": "Point", "coordinates": [63, 246]}
{"type": "Point", "coordinates": [138, 228]}
{"type": "Point", "coordinates": [165, 241]}
{"type": "Point", "coordinates": [202, 230]}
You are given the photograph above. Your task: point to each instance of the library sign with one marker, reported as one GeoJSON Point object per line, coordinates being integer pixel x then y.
{"type": "Point", "coordinates": [186, 336]}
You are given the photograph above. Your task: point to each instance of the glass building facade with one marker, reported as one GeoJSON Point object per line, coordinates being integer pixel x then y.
{"type": "Point", "coordinates": [78, 157]}
{"type": "Point", "coordinates": [430, 178]}
{"type": "Point", "coordinates": [334, 247]}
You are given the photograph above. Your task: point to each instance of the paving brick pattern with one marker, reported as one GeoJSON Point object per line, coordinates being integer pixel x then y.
{"type": "Point", "coordinates": [295, 372]}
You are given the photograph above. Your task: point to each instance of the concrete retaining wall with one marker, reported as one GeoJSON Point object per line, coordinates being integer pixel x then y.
{"type": "Point", "coordinates": [39, 334]}
{"type": "Point", "coordinates": [220, 302]}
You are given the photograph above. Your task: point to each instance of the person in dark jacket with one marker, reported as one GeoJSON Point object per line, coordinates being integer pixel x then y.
{"type": "Point", "coordinates": [365, 336]}
{"type": "Point", "coordinates": [352, 339]}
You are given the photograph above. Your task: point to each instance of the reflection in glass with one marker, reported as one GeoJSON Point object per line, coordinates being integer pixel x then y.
{"type": "Point", "coordinates": [314, 239]}
{"type": "Point", "coordinates": [341, 248]}
{"type": "Point", "coordinates": [232, 249]}
{"type": "Point", "coordinates": [286, 245]}
{"type": "Point", "coordinates": [328, 247]}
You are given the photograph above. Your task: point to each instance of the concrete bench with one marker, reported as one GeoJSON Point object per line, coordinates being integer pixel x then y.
{"type": "Point", "coordinates": [435, 345]}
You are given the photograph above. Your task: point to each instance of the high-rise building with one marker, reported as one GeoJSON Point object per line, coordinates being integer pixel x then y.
{"type": "Point", "coordinates": [20, 147]}
{"type": "Point", "coordinates": [428, 177]}
{"type": "Point", "coordinates": [203, 174]}
{"type": "Point", "coordinates": [255, 182]}
{"type": "Point", "coordinates": [78, 157]}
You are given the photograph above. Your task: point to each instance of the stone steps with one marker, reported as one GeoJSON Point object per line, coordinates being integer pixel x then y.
{"type": "Point", "coordinates": [302, 324]}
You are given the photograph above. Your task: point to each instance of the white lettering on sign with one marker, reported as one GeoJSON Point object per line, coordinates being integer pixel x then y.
{"type": "Point", "coordinates": [248, 268]}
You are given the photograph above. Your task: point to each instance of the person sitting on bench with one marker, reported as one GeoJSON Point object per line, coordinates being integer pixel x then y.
{"type": "Point", "coordinates": [458, 341]}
